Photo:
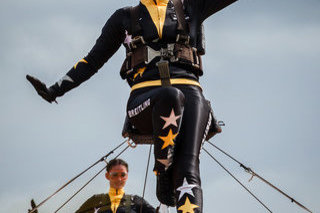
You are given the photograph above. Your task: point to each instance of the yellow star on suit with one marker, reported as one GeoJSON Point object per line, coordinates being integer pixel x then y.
{"type": "Point", "coordinates": [187, 207]}
{"type": "Point", "coordinates": [139, 72]}
{"type": "Point", "coordinates": [168, 140]}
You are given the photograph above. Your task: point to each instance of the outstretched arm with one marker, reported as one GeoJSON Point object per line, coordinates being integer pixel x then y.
{"type": "Point", "coordinates": [206, 8]}
{"type": "Point", "coordinates": [111, 38]}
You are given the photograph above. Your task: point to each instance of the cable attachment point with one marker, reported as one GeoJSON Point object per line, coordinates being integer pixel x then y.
{"type": "Point", "coordinates": [248, 170]}
{"type": "Point", "coordinates": [252, 176]}
{"type": "Point", "coordinates": [132, 144]}
{"type": "Point", "coordinates": [221, 123]}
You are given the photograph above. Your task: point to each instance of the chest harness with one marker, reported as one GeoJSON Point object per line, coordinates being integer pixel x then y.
{"type": "Point", "coordinates": [139, 54]}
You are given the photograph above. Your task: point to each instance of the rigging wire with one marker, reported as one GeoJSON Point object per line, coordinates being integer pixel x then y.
{"type": "Point", "coordinates": [77, 176]}
{"type": "Point", "coordinates": [80, 189]}
{"type": "Point", "coordinates": [89, 181]}
{"type": "Point", "coordinates": [145, 179]}
{"type": "Point", "coordinates": [250, 171]}
{"type": "Point", "coordinates": [247, 169]}
{"type": "Point", "coordinates": [237, 180]}
{"type": "Point", "coordinates": [122, 152]}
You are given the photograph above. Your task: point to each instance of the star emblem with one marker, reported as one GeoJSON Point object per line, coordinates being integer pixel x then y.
{"type": "Point", "coordinates": [186, 188]}
{"type": "Point", "coordinates": [187, 207]}
{"type": "Point", "coordinates": [82, 60]}
{"type": "Point", "coordinates": [168, 140]}
{"type": "Point", "coordinates": [172, 119]}
{"type": "Point", "coordinates": [165, 162]}
{"type": "Point", "coordinates": [139, 72]}
{"type": "Point", "coordinates": [128, 38]}
{"type": "Point", "coordinates": [96, 210]}
{"type": "Point", "coordinates": [65, 78]}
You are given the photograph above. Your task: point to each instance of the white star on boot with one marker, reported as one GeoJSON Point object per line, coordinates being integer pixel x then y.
{"type": "Point", "coordinates": [186, 188]}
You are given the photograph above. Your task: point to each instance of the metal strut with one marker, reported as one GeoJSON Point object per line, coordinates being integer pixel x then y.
{"type": "Point", "coordinates": [145, 179]}
{"type": "Point", "coordinates": [77, 176]}
{"type": "Point", "coordinates": [250, 171]}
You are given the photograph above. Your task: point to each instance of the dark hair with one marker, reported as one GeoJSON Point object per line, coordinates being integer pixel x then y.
{"type": "Point", "coordinates": [115, 162]}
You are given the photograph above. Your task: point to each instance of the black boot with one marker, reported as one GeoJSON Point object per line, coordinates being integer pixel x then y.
{"type": "Point", "coordinates": [165, 189]}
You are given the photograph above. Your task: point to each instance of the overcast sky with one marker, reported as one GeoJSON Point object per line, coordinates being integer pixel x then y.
{"type": "Point", "coordinates": [261, 75]}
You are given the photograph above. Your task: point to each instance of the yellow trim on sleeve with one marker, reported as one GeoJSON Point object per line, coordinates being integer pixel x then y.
{"type": "Point", "coordinates": [82, 60]}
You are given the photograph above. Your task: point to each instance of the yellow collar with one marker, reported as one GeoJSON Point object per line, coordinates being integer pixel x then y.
{"type": "Point", "coordinates": [115, 192]}
{"type": "Point", "coordinates": [157, 10]}
{"type": "Point", "coordinates": [159, 2]}
{"type": "Point", "coordinates": [115, 198]}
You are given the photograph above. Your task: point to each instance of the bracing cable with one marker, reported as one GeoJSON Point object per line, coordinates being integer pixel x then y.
{"type": "Point", "coordinates": [88, 182]}
{"type": "Point", "coordinates": [80, 189]}
{"type": "Point", "coordinates": [237, 180]}
{"type": "Point", "coordinates": [145, 179]}
{"type": "Point", "coordinates": [250, 171]}
{"type": "Point", "coordinates": [122, 151]}
{"type": "Point", "coordinates": [73, 179]}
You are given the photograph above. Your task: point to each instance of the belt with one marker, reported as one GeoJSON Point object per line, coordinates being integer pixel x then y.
{"type": "Point", "coordinates": [173, 81]}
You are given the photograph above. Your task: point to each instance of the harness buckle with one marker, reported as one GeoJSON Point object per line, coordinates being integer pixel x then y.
{"type": "Point", "coordinates": [151, 54]}
{"type": "Point", "coordinates": [167, 52]}
{"type": "Point", "coordinates": [136, 42]}
{"type": "Point", "coordinates": [183, 39]}
{"type": "Point", "coordinates": [164, 53]}
{"type": "Point", "coordinates": [196, 59]}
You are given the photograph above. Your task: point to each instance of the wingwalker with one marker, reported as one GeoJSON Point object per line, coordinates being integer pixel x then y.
{"type": "Point", "coordinates": [164, 42]}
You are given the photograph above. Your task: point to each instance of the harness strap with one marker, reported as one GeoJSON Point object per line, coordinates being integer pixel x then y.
{"type": "Point", "coordinates": [182, 26]}
{"type": "Point", "coordinates": [139, 54]}
{"type": "Point", "coordinates": [164, 72]}
{"type": "Point", "coordinates": [135, 26]}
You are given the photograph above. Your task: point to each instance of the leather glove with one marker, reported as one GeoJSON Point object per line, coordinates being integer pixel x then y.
{"type": "Point", "coordinates": [42, 90]}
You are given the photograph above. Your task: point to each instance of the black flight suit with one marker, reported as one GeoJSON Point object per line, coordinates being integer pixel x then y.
{"type": "Point", "coordinates": [177, 116]}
